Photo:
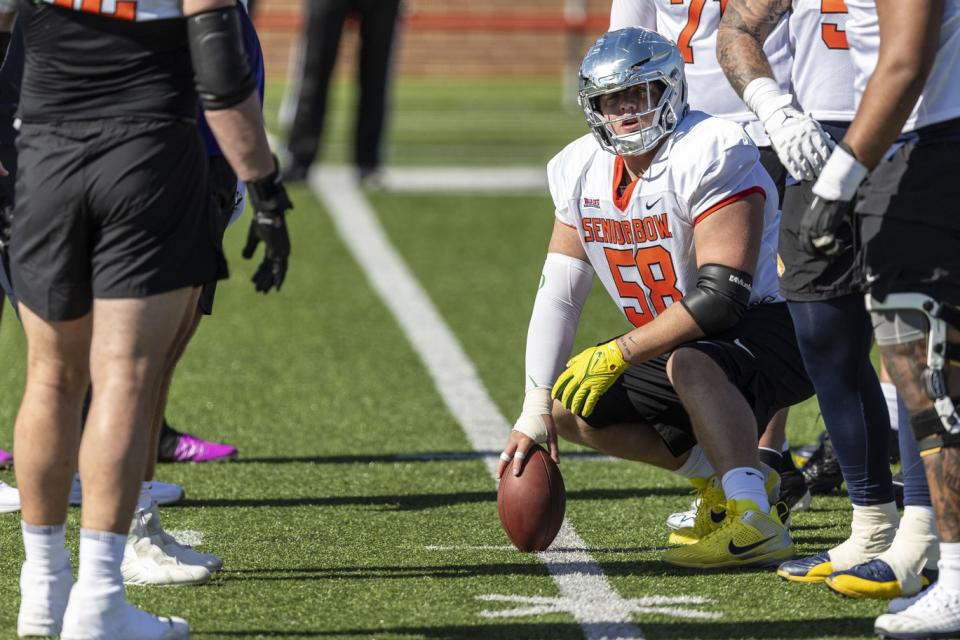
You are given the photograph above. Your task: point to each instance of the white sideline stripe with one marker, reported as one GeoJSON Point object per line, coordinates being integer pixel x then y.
{"type": "Point", "coordinates": [476, 179]}
{"type": "Point", "coordinates": [187, 537]}
{"type": "Point", "coordinates": [603, 614]}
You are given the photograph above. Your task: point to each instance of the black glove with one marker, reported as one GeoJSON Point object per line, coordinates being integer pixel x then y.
{"type": "Point", "coordinates": [822, 226]}
{"type": "Point", "coordinates": [270, 203]}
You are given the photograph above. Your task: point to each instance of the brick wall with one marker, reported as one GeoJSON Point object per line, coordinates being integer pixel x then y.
{"type": "Point", "coordinates": [454, 37]}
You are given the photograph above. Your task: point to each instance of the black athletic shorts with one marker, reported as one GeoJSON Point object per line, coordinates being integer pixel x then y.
{"type": "Point", "coordinates": [778, 173]}
{"type": "Point", "coordinates": [115, 208]}
{"type": "Point", "coordinates": [759, 356]}
{"type": "Point", "coordinates": [805, 277]}
{"type": "Point", "coordinates": [223, 192]}
{"type": "Point", "coordinates": [908, 220]}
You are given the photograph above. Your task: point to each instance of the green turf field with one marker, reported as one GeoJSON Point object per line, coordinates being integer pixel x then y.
{"type": "Point", "coordinates": [357, 507]}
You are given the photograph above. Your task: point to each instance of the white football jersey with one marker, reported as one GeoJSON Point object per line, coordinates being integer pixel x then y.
{"type": "Point", "coordinates": [641, 243]}
{"type": "Point", "coordinates": [822, 68]}
{"type": "Point", "coordinates": [692, 25]}
{"type": "Point", "coordinates": [940, 100]}
{"type": "Point", "coordinates": [132, 10]}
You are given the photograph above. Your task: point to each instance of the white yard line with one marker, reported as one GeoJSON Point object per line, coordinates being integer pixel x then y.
{"type": "Point", "coordinates": [601, 612]}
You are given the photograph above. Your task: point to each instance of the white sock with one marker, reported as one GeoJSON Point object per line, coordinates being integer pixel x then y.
{"type": "Point", "coordinates": [950, 565]}
{"type": "Point", "coordinates": [46, 551]}
{"type": "Point", "coordinates": [145, 499]}
{"type": "Point", "coordinates": [871, 533]}
{"type": "Point", "coordinates": [696, 466]}
{"type": "Point", "coordinates": [898, 413]}
{"type": "Point", "coordinates": [99, 577]}
{"type": "Point", "coordinates": [746, 483]}
{"type": "Point", "coordinates": [914, 547]}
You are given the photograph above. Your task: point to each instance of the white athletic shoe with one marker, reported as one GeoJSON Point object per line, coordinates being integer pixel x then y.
{"type": "Point", "coordinates": [94, 619]}
{"type": "Point", "coordinates": [9, 498]}
{"type": "Point", "coordinates": [43, 599]}
{"type": "Point", "coordinates": [935, 614]}
{"type": "Point", "coordinates": [184, 553]}
{"type": "Point", "coordinates": [146, 562]}
{"type": "Point", "coordinates": [899, 604]}
{"type": "Point", "coordinates": [682, 519]}
{"type": "Point", "coordinates": [165, 493]}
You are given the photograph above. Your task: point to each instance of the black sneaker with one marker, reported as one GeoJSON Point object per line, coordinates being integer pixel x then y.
{"type": "Point", "coordinates": [822, 471]}
{"type": "Point", "coordinates": [793, 490]}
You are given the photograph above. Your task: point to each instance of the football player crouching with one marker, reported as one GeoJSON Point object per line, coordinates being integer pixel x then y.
{"type": "Point", "coordinates": [673, 212]}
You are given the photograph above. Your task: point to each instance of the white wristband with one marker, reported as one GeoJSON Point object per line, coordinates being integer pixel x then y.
{"type": "Point", "coordinates": [536, 404]}
{"type": "Point", "coordinates": [840, 176]}
{"type": "Point", "coordinates": [764, 97]}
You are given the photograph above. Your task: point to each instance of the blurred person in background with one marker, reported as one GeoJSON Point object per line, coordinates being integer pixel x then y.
{"type": "Point", "coordinates": [305, 105]}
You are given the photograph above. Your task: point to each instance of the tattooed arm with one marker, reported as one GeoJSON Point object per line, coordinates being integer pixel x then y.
{"type": "Point", "coordinates": [743, 29]}
{"type": "Point", "coordinates": [800, 143]}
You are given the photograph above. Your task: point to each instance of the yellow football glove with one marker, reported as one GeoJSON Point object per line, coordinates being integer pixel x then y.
{"type": "Point", "coordinates": [588, 376]}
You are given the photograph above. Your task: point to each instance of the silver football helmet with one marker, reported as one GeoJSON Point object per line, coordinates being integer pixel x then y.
{"type": "Point", "coordinates": [629, 58]}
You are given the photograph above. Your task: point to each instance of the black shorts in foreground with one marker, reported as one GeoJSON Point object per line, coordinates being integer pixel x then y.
{"type": "Point", "coordinates": [908, 220]}
{"type": "Point", "coordinates": [759, 356]}
{"type": "Point", "coordinates": [223, 192]}
{"type": "Point", "coordinates": [806, 277]}
{"type": "Point", "coordinates": [115, 208]}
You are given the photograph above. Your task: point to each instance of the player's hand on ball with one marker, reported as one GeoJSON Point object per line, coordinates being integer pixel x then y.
{"type": "Point", "coordinates": [534, 426]}
{"type": "Point", "coordinates": [588, 376]}
{"type": "Point", "coordinates": [270, 202]}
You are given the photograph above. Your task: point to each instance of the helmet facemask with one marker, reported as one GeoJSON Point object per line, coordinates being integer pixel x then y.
{"type": "Point", "coordinates": [635, 131]}
{"type": "Point", "coordinates": [638, 60]}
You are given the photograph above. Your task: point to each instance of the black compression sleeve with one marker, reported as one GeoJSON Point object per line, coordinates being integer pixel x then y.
{"type": "Point", "coordinates": [721, 297]}
{"type": "Point", "coordinates": [222, 73]}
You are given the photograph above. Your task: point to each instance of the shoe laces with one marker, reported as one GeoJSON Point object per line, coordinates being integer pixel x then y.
{"type": "Point", "coordinates": [710, 500]}
{"type": "Point", "coordinates": [935, 601]}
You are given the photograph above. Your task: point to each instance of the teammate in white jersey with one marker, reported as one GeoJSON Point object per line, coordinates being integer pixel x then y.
{"type": "Point", "coordinates": [692, 24]}
{"type": "Point", "coordinates": [825, 300]}
{"type": "Point", "coordinates": [908, 83]}
{"type": "Point", "coordinates": [674, 213]}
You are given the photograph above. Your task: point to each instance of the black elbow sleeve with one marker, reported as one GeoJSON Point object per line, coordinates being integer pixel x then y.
{"type": "Point", "coordinates": [721, 297]}
{"type": "Point", "coordinates": [221, 70]}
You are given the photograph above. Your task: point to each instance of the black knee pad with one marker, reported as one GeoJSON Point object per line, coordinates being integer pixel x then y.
{"type": "Point", "coordinates": [930, 433]}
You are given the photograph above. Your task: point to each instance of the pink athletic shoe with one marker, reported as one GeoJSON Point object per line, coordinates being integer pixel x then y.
{"type": "Point", "coordinates": [6, 459]}
{"type": "Point", "coordinates": [184, 447]}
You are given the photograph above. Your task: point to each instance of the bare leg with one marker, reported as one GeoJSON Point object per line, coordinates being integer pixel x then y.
{"type": "Point", "coordinates": [188, 327]}
{"type": "Point", "coordinates": [628, 441]}
{"type": "Point", "coordinates": [131, 339]}
{"type": "Point", "coordinates": [722, 420]}
{"type": "Point", "coordinates": [905, 364]}
{"type": "Point", "coordinates": [775, 434]}
{"type": "Point", "coordinates": [47, 429]}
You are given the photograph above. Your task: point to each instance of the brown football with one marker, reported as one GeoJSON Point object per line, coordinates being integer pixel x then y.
{"type": "Point", "coordinates": [532, 506]}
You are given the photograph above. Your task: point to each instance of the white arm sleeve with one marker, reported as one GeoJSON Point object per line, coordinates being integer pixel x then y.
{"type": "Point", "coordinates": [563, 290]}
{"type": "Point", "coordinates": [632, 13]}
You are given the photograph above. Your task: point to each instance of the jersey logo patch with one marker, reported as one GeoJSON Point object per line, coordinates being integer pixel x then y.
{"type": "Point", "coordinates": [593, 203]}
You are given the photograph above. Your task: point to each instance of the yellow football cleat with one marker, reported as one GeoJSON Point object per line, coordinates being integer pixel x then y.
{"type": "Point", "coordinates": [711, 511]}
{"type": "Point", "coordinates": [712, 505]}
{"type": "Point", "coordinates": [747, 538]}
